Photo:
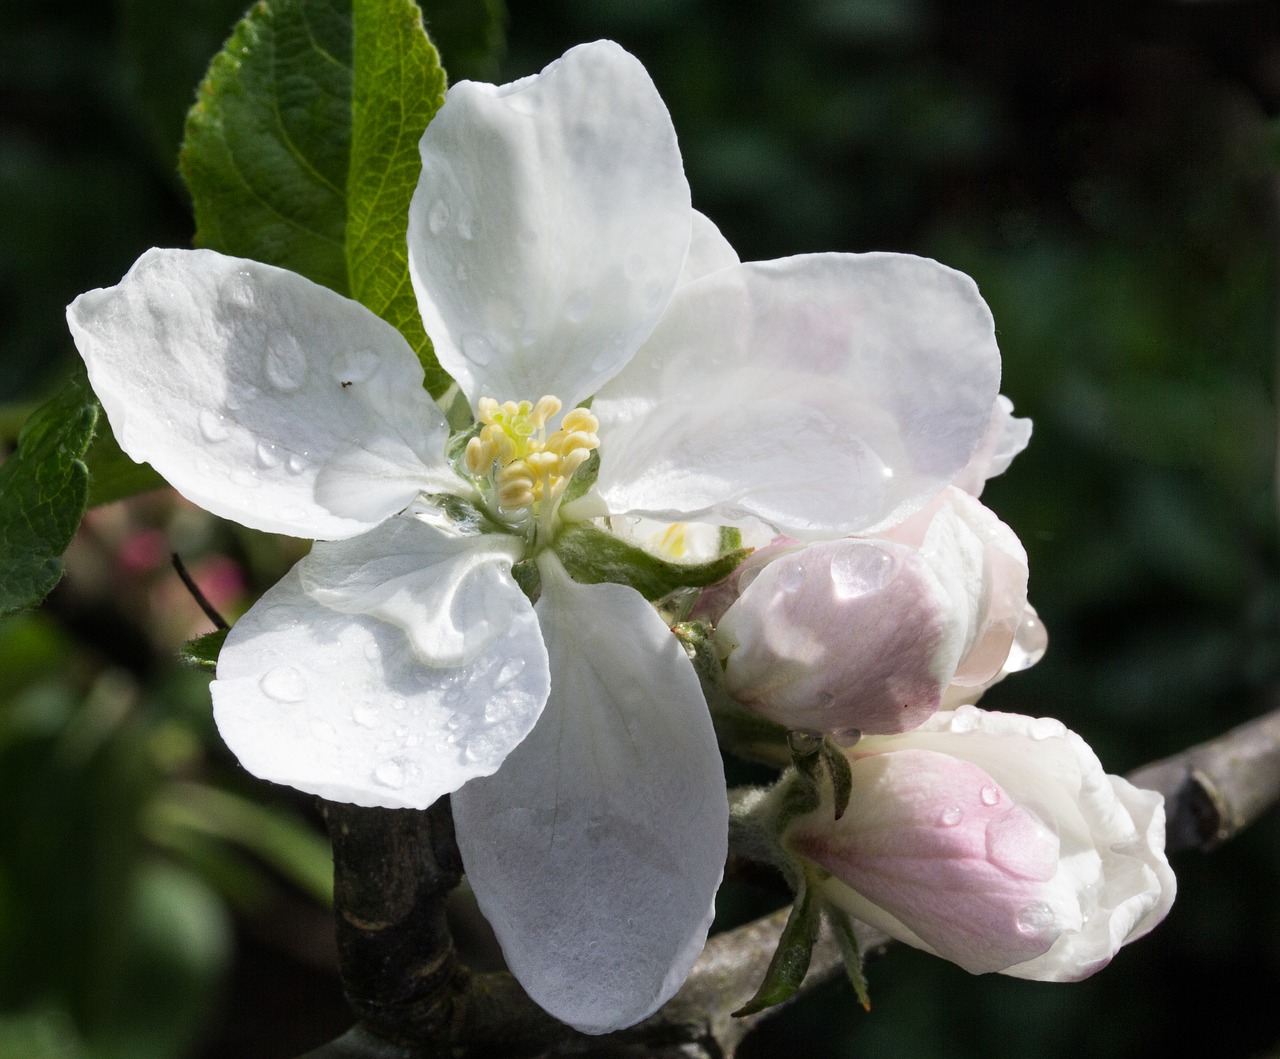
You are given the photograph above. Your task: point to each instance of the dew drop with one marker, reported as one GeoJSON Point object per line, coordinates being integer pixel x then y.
{"type": "Point", "coordinates": [477, 348]}
{"type": "Point", "coordinates": [214, 426]}
{"type": "Point", "coordinates": [1029, 643]}
{"type": "Point", "coordinates": [284, 684]}
{"type": "Point", "coordinates": [847, 737]}
{"type": "Point", "coordinates": [859, 569]}
{"type": "Point", "coordinates": [356, 365]}
{"type": "Point", "coordinates": [266, 455]}
{"type": "Point", "coordinates": [465, 228]}
{"type": "Point", "coordinates": [372, 651]}
{"type": "Point", "coordinates": [790, 576]}
{"type": "Point", "coordinates": [950, 816]}
{"type": "Point", "coordinates": [366, 716]}
{"type": "Point", "coordinates": [603, 362]}
{"type": "Point", "coordinates": [577, 307]}
{"type": "Point", "coordinates": [397, 702]}
{"type": "Point", "coordinates": [438, 218]}
{"type": "Point", "coordinates": [511, 669]}
{"type": "Point", "coordinates": [295, 464]}
{"type": "Point", "coordinates": [1036, 918]}
{"type": "Point", "coordinates": [389, 774]}
{"type": "Point", "coordinates": [285, 367]}
{"type": "Point", "coordinates": [990, 794]}
{"type": "Point", "coordinates": [460, 271]}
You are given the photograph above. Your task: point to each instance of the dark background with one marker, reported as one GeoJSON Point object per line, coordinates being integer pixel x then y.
{"type": "Point", "coordinates": [1107, 172]}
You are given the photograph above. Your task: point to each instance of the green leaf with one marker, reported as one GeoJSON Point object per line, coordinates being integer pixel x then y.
{"type": "Point", "coordinates": [43, 489]}
{"type": "Point", "coordinates": [790, 961]}
{"type": "Point", "coordinates": [841, 776]}
{"type": "Point", "coordinates": [301, 150]}
{"type": "Point", "coordinates": [112, 474]}
{"type": "Point", "coordinates": [202, 652]}
{"type": "Point", "coordinates": [592, 556]}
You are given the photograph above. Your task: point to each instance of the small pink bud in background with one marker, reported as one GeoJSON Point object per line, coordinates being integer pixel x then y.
{"type": "Point", "coordinates": [997, 842]}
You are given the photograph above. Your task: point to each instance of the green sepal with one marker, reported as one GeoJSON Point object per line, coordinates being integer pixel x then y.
{"type": "Point", "coordinates": [791, 958]}
{"type": "Point", "coordinates": [850, 952]}
{"type": "Point", "coordinates": [817, 758]}
{"type": "Point", "coordinates": [302, 148]}
{"type": "Point", "coordinates": [44, 487]}
{"type": "Point", "coordinates": [202, 652]}
{"type": "Point", "coordinates": [592, 556]}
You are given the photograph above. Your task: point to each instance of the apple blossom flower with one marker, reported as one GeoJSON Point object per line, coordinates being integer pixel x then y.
{"type": "Point", "coordinates": [995, 841]}
{"type": "Point", "coordinates": [555, 256]}
{"type": "Point", "coordinates": [867, 634]}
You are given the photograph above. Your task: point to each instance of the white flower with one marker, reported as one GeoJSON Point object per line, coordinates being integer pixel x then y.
{"type": "Point", "coordinates": [997, 842]}
{"type": "Point", "coordinates": [553, 251]}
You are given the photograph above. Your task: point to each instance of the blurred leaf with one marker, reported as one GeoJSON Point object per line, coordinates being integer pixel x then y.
{"type": "Point", "coordinates": [295, 850]}
{"type": "Point", "coordinates": [43, 489]}
{"type": "Point", "coordinates": [301, 150]}
{"type": "Point", "coordinates": [179, 948]}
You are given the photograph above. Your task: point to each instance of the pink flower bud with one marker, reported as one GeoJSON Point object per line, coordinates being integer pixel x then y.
{"type": "Point", "coordinates": [997, 842]}
{"type": "Point", "coordinates": [867, 633]}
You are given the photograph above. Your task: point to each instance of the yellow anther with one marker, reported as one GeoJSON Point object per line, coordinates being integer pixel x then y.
{"type": "Point", "coordinates": [479, 455]}
{"type": "Point", "coordinates": [579, 419]}
{"type": "Point", "coordinates": [542, 463]}
{"type": "Point", "coordinates": [546, 407]}
{"type": "Point", "coordinates": [527, 467]}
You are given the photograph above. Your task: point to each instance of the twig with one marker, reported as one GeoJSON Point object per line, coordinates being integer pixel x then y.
{"type": "Point", "coordinates": [1214, 790]}
{"type": "Point", "coordinates": [219, 622]}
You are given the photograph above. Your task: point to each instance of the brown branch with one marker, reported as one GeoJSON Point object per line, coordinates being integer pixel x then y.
{"type": "Point", "coordinates": [1214, 790]}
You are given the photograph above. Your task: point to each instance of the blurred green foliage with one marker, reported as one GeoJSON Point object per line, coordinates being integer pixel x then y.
{"type": "Point", "coordinates": [1107, 173]}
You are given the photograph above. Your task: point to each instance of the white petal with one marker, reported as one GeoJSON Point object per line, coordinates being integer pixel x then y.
{"type": "Point", "coordinates": [549, 226]}
{"type": "Point", "coordinates": [709, 251]}
{"type": "Point", "coordinates": [341, 704]}
{"type": "Point", "coordinates": [243, 384]}
{"type": "Point", "coordinates": [824, 395]}
{"type": "Point", "coordinates": [596, 850]}
{"type": "Point", "coordinates": [1006, 436]}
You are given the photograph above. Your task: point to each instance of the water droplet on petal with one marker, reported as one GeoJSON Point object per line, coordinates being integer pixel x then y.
{"type": "Point", "coordinates": [950, 816]}
{"type": "Point", "coordinates": [284, 684]}
{"type": "Point", "coordinates": [511, 669]}
{"type": "Point", "coordinates": [790, 576]}
{"type": "Point", "coordinates": [1029, 643]}
{"type": "Point", "coordinates": [460, 271]}
{"type": "Point", "coordinates": [477, 348]}
{"type": "Point", "coordinates": [389, 774]}
{"type": "Point", "coordinates": [295, 464]}
{"type": "Point", "coordinates": [465, 228]}
{"type": "Point", "coordinates": [365, 715]}
{"type": "Point", "coordinates": [267, 455]}
{"type": "Point", "coordinates": [438, 218]}
{"type": "Point", "coordinates": [285, 367]}
{"type": "Point", "coordinates": [604, 361]}
{"type": "Point", "coordinates": [1037, 917]}
{"type": "Point", "coordinates": [859, 569]}
{"type": "Point", "coordinates": [577, 307]}
{"type": "Point", "coordinates": [213, 426]}
{"type": "Point", "coordinates": [398, 702]}
{"type": "Point", "coordinates": [372, 651]}
{"type": "Point", "coordinates": [990, 794]}
{"type": "Point", "coordinates": [356, 365]}
{"type": "Point", "coordinates": [847, 737]}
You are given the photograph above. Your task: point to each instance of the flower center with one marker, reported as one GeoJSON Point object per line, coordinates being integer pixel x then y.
{"type": "Point", "coordinates": [530, 468]}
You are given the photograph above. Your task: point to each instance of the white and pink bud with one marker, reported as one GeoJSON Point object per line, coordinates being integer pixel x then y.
{"type": "Point", "coordinates": [868, 633]}
{"type": "Point", "coordinates": [995, 841]}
